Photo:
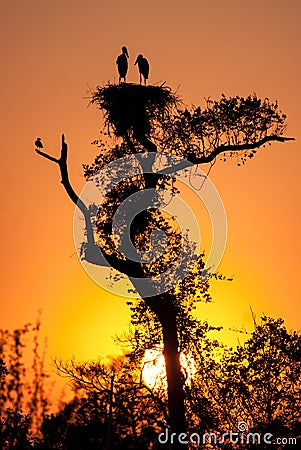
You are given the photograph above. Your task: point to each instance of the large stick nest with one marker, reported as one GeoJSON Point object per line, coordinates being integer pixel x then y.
{"type": "Point", "coordinates": [132, 107]}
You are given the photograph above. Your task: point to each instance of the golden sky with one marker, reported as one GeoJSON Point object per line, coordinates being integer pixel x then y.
{"type": "Point", "coordinates": [52, 52]}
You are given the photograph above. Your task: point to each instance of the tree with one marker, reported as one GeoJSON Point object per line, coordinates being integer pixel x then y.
{"type": "Point", "coordinates": [259, 382]}
{"type": "Point", "coordinates": [253, 388]}
{"type": "Point", "coordinates": [139, 412]}
{"type": "Point", "coordinates": [149, 121]}
{"type": "Point", "coordinates": [23, 401]}
{"type": "Point", "coordinates": [123, 410]}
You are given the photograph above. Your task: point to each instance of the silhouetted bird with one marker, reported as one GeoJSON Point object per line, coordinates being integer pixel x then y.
{"type": "Point", "coordinates": [122, 64]}
{"type": "Point", "coordinates": [143, 67]}
{"type": "Point", "coordinates": [38, 143]}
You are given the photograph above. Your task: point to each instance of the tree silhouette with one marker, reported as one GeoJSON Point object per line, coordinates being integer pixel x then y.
{"type": "Point", "coordinates": [260, 382]}
{"type": "Point", "coordinates": [130, 414]}
{"type": "Point", "coordinates": [23, 400]}
{"type": "Point", "coordinates": [140, 411]}
{"type": "Point", "coordinates": [150, 120]}
{"type": "Point", "coordinates": [256, 384]}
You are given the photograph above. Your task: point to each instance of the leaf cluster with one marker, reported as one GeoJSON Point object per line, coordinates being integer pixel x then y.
{"type": "Point", "coordinates": [230, 121]}
{"type": "Point", "coordinates": [260, 381]}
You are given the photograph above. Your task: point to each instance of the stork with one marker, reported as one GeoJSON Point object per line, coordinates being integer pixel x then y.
{"type": "Point", "coordinates": [38, 143]}
{"type": "Point", "coordinates": [143, 66]}
{"type": "Point", "coordinates": [122, 64]}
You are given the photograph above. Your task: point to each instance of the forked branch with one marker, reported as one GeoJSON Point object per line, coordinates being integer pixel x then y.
{"type": "Point", "coordinates": [93, 253]}
{"type": "Point", "coordinates": [62, 163]}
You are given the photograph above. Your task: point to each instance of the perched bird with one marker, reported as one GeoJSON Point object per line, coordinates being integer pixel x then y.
{"type": "Point", "coordinates": [38, 143]}
{"type": "Point", "coordinates": [143, 67]}
{"type": "Point", "coordinates": [122, 64]}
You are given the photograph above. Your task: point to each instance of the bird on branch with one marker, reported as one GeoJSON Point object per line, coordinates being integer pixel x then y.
{"type": "Point", "coordinates": [143, 66]}
{"type": "Point", "coordinates": [38, 143]}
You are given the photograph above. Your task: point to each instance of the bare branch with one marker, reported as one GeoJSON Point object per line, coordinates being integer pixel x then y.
{"type": "Point", "coordinates": [45, 155]}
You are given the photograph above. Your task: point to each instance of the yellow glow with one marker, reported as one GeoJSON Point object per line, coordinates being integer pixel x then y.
{"type": "Point", "coordinates": [154, 371]}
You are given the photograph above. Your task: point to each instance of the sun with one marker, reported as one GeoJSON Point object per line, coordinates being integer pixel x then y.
{"type": "Point", "coordinates": [154, 371]}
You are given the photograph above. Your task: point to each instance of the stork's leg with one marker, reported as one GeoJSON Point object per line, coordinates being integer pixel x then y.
{"type": "Point", "coordinates": [140, 78]}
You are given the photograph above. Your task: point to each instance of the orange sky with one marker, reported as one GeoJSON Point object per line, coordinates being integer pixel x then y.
{"type": "Point", "coordinates": [51, 53]}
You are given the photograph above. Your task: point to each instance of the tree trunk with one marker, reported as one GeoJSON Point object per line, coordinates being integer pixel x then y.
{"type": "Point", "coordinates": [175, 379]}
{"type": "Point", "coordinates": [166, 312]}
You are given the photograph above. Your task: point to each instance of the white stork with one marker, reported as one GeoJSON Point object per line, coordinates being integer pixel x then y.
{"type": "Point", "coordinates": [143, 66]}
{"type": "Point", "coordinates": [122, 64]}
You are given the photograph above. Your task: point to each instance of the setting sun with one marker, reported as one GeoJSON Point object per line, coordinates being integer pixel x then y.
{"type": "Point", "coordinates": [154, 372]}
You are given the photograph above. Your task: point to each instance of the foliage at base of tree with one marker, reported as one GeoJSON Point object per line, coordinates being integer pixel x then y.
{"type": "Point", "coordinates": [23, 400]}
{"type": "Point", "coordinates": [257, 383]}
